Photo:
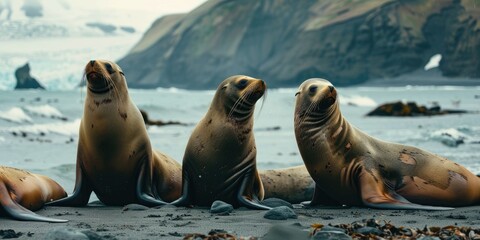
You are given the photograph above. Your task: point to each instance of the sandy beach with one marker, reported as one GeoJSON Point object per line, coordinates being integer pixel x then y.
{"type": "Point", "coordinates": [170, 222]}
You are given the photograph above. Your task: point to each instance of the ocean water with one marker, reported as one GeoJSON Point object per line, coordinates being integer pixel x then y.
{"type": "Point", "coordinates": [39, 129]}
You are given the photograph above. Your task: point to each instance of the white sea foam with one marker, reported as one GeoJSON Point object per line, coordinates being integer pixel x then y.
{"type": "Point", "coordinates": [44, 111]}
{"type": "Point", "coordinates": [453, 137]}
{"type": "Point", "coordinates": [66, 128]}
{"type": "Point", "coordinates": [356, 100]}
{"type": "Point", "coordinates": [15, 114]}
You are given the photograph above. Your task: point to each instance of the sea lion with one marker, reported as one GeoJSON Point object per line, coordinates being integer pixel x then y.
{"type": "Point", "coordinates": [292, 184]}
{"type": "Point", "coordinates": [220, 157]}
{"type": "Point", "coordinates": [114, 156]}
{"type": "Point", "coordinates": [353, 168]}
{"type": "Point", "coordinates": [22, 192]}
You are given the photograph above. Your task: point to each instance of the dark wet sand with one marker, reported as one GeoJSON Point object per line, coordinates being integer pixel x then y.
{"type": "Point", "coordinates": [173, 223]}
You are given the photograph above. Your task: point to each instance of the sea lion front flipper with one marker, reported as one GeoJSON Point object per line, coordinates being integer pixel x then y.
{"type": "Point", "coordinates": [18, 212]}
{"type": "Point", "coordinates": [320, 198]}
{"type": "Point", "coordinates": [244, 200]}
{"type": "Point", "coordinates": [375, 194]}
{"type": "Point", "coordinates": [143, 190]}
{"type": "Point", "coordinates": [184, 200]}
{"type": "Point", "coordinates": [81, 192]}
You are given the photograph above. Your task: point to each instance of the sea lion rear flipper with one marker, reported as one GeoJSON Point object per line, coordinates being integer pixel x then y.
{"type": "Point", "coordinates": [244, 200]}
{"type": "Point", "coordinates": [143, 190]}
{"type": "Point", "coordinates": [320, 198]}
{"type": "Point", "coordinates": [81, 192]}
{"type": "Point", "coordinates": [18, 212]}
{"type": "Point", "coordinates": [375, 194]}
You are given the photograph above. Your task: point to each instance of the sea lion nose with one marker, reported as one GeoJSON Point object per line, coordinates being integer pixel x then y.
{"type": "Point", "coordinates": [92, 62]}
{"type": "Point", "coordinates": [331, 88]}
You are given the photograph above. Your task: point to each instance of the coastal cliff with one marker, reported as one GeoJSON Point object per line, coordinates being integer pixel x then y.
{"type": "Point", "coordinates": [286, 42]}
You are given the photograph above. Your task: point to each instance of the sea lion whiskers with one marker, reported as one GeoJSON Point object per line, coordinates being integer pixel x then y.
{"type": "Point", "coordinates": [241, 100]}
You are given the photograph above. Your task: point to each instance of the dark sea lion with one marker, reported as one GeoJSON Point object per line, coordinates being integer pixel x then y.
{"type": "Point", "coordinates": [22, 192]}
{"type": "Point", "coordinates": [114, 157]}
{"type": "Point", "coordinates": [353, 168]}
{"type": "Point", "coordinates": [220, 158]}
{"type": "Point", "coordinates": [292, 184]}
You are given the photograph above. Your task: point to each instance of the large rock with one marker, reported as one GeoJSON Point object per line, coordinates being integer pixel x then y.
{"type": "Point", "coordinates": [24, 80]}
{"type": "Point", "coordinates": [286, 42]}
{"type": "Point", "coordinates": [410, 109]}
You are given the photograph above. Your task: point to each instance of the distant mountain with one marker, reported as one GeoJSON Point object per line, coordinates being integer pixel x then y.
{"type": "Point", "coordinates": [286, 42]}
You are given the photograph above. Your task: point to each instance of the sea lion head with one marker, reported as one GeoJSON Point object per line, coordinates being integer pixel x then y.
{"type": "Point", "coordinates": [315, 97]}
{"type": "Point", "coordinates": [104, 76]}
{"type": "Point", "coordinates": [236, 96]}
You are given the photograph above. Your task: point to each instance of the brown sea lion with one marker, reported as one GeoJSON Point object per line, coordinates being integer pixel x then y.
{"type": "Point", "coordinates": [114, 157]}
{"type": "Point", "coordinates": [353, 168]}
{"type": "Point", "coordinates": [220, 158]}
{"type": "Point", "coordinates": [22, 192]}
{"type": "Point", "coordinates": [292, 184]}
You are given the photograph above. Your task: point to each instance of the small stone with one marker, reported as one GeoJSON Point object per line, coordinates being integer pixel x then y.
{"type": "Point", "coordinates": [428, 238]}
{"type": "Point", "coordinates": [280, 213]}
{"type": "Point", "coordinates": [285, 233]}
{"type": "Point", "coordinates": [61, 233]}
{"type": "Point", "coordinates": [9, 233]}
{"type": "Point", "coordinates": [334, 235]}
{"type": "Point", "coordinates": [368, 230]}
{"type": "Point", "coordinates": [219, 207]}
{"type": "Point", "coordinates": [276, 202]}
{"type": "Point", "coordinates": [134, 207]}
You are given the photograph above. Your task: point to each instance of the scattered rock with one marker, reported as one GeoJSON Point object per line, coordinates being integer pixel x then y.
{"type": "Point", "coordinates": [215, 234]}
{"type": "Point", "coordinates": [410, 109]}
{"type": "Point", "coordinates": [285, 233]}
{"type": "Point", "coordinates": [374, 229]}
{"type": "Point", "coordinates": [24, 80]}
{"type": "Point", "coordinates": [219, 207]}
{"type": "Point", "coordinates": [134, 207]}
{"type": "Point", "coordinates": [280, 213]}
{"type": "Point", "coordinates": [61, 233]}
{"type": "Point", "coordinates": [428, 238]}
{"type": "Point", "coordinates": [333, 235]}
{"type": "Point", "coordinates": [368, 230]}
{"type": "Point", "coordinates": [10, 233]}
{"type": "Point", "coordinates": [147, 121]}
{"type": "Point", "coordinates": [276, 202]}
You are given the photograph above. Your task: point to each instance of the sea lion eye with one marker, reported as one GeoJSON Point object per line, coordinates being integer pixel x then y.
{"type": "Point", "coordinates": [109, 68]}
{"type": "Point", "coordinates": [242, 83]}
{"type": "Point", "coordinates": [313, 89]}
{"type": "Point", "coordinates": [296, 94]}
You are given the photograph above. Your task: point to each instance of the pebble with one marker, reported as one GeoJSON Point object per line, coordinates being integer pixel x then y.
{"type": "Point", "coordinates": [285, 233]}
{"type": "Point", "coordinates": [61, 233]}
{"type": "Point", "coordinates": [276, 202]}
{"type": "Point", "coordinates": [368, 230]}
{"type": "Point", "coordinates": [280, 213]}
{"type": "Point", "coordinates": [334, 235]}
{"type": "Point", "coordinates": [219, 207]}
{"type": "Point", "coordinates": [134, 207]}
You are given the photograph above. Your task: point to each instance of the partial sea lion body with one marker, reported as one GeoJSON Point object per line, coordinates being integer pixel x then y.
{"type": "Point", "coordinates": [114, 157]}
{"type": "Point", "coordinates": [353, 168]}
{"type": "Point", "coordinates": [22, 192]}
{"type": "Point", "coordinates": [220, 158]}
{"type": "Point", "coordinates": [292, 184]}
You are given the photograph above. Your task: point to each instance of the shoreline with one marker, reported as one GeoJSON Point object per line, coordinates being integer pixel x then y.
{"type": "Point", "coordinates": [169, 222]}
